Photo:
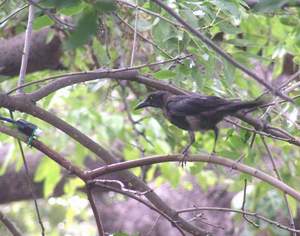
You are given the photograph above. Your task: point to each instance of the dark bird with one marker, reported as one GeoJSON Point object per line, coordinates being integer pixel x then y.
{"type": "Point", "coordinates": [195, 112]}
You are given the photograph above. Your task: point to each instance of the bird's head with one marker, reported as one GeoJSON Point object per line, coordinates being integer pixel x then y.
{"type": "Point", "coordinates": [155, 99]}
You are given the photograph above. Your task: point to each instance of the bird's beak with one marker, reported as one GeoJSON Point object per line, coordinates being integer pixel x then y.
{"type": "Point", "coordinates": [141, 105]}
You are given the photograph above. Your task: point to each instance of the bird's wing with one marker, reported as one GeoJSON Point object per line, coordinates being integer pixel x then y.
{"type": "Point", "coordinates": [185, 105]}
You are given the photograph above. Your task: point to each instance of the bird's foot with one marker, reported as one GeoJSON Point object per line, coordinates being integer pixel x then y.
{"type": "Point", "coordinates": [183, 161]}
{"type": "Point", "coordinates": [212, 154]}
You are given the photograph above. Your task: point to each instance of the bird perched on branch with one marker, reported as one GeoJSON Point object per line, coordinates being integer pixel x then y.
{"type": "Point", "coordinates": [195, 112]}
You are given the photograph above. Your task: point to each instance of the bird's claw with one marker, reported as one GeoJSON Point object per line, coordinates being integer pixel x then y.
{"type": "Point", "coordinates": [183, 161]}
{"type": "Point", "coordinates": [212, 154]}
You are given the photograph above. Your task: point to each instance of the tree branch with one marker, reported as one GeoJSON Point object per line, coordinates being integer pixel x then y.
{"type": "Point", "coordinates": [197, 158]}
{"type": "Point", "coordinates": [89, 189]}
{"type": "Point", "coordinates": [89, 175]}
{"type": "Point", "coordinates": [292, 224]}
{"type": "Point", "coordinates": [253, 214]}
{"type": "Point", "coordinates": [26, 49]}
{"type": "Point", "coordinates": [10, 225]}
{"type": "Point", "coordinates": [220, 51]}
{"type": "Point", "coordinates": [24, 104]}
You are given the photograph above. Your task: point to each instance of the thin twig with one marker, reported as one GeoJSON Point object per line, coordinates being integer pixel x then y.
{"type": "Point", "coordinates": [2, 3]}
{"type": "Point", "coordinates": [133, 122]}
{"type": "Point", "coordinates": [89, 189]}
{"type": "Point", "coordinates": [52, 16]}
{"type": "Point", "coordinates": [144, 38]}
{"type": "Point", "coordinates": [11, 227]}
{"type": "Point", "coordinates": [139, 199]}
{"type": "Point", "coordinates": [134, 35]}
{"type": "Point", "coordinates": [288, 139]}
{"type": "Point", "coordinates": [275, 169]}
{"type": "Point", "coordinates": [122, 186]}
{"type": "Point", "coordinates": [153, 226]}
{"type": "Point", "coordinates": [199, 216]}
{"type": "Point", "coordinates": [26, 49]}
{"type": "Point", "coordinates": [252, 214]}
{"type": "Point", "coordinates": [30, 184]}
{"type": "Point", "coordinates": [150, 13]}
{"type": "Point", "coordinates": [13, 14]}
{"type": "Point", "coordinates": [179, 58]}
{"type": "Point", "coordinates": [243, 206]}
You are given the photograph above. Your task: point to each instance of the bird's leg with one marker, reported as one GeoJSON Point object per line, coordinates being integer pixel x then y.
{"type": "Point", "coordinates": [186, 149]}
{"type": "Point", "coordinates": [216, 131]}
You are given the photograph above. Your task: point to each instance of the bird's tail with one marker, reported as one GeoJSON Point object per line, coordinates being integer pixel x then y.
{"type": "Point", "coordinates": [236, 106]}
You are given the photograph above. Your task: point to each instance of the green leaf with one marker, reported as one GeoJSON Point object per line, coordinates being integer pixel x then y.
{"type": "Point", "coordinates": [236, 142]}
{"type": "Point", "coordinates": [48, 171]}
{"type": "Point", "coordinates": [106, 5]}
{"type": "Point", "coordinates": [86, 28]}
{"type": "Point", "coordinates": [145, 25]}
{"type": "Point", "coordinates": [164, 74]}
{"type": "Point", "coordinates": [196, 168]}
{"type": "Point", "coordinates": [73, 9]}
{"type": "Point", "coordinates": [131, 153]}
{"type": "Point", "coordinates": [162, 31]}
{"type": "Point", "coordinates": [293, 205]}
{"type": "Point", "coordinates": [269, 5]}
{"type": "Point", "coordinates": [41, 22]}
{"type": "Point", "coordinates": [120, 234]}
{"type": "Point", "coordinates": [72, 185]}
{"type": "Point", "coordinates": [189, 16]}
{"type": "Point", "coordinates": [170, 173]}
{"type": "Point", "coordinates": [229, 28]}
{"type": "Point", "coordinates": [206, 178]}
{"type": "Point", "coordinates": [60, 3]}
{"type": "Point", "coordinates": [230, 6]}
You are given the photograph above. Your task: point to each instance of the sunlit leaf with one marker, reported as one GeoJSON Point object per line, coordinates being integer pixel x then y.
{"type": "Point", "coordinates": [85, 29]}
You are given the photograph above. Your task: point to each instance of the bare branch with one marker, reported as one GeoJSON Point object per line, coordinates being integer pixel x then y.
{"type": "Point", "coordinates": [197, 158]}
{"type": "Point", "coordinates": [252, 214]}
{"type": "Point", "coordinates": [26, 49]}
{"type": "Point", "coordinates": [134, 35]}
{"type": "Point", "coordinates": [10, 225]}
{"type": "Point", "coordinates": [174, 221]}
{"type": "Point", "coordinates": [292, 223]}
{"type": "Point", "coordinates": [122, 186]}
{"type": "Point", "coordinates": [92, 75]}
{"type": "Point", "coordinates": [243, 206]}
{"type": "Point", "coordinates": [95, 210]}
{"type": "Point", "coordinates": [13, 14]}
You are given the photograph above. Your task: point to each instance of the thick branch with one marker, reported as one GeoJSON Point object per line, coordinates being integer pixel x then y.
{"type": "Point", "coordinates": [198, 158]}
{"type": "Point", "coordinates": [47, 151]}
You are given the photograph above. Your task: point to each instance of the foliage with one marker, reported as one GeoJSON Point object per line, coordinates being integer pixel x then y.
{"type": "Point", "coordinates": [258, 37]}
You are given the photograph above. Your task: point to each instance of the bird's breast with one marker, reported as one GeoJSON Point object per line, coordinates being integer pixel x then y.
{"type": "Point", "coordinates": [178, 121]}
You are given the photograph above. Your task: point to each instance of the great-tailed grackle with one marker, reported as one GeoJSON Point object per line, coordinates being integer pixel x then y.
{"type": "Point", "coordinates": [195, 112]}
